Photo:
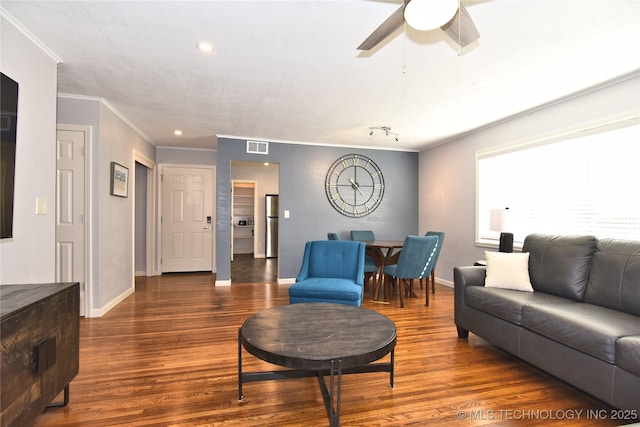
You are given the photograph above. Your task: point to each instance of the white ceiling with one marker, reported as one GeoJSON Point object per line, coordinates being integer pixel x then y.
{"type": "Point", "coordinates": [290, 71]}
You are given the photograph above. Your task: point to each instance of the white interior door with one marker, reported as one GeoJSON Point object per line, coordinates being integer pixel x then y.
{"type": "Point", "coordinates": [70, 214]}
{"type": "Point", "coordinates": [187, 219]}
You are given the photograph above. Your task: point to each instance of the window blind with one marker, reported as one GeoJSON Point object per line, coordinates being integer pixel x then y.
{"type": "Point", "coordinates": [587, 183]}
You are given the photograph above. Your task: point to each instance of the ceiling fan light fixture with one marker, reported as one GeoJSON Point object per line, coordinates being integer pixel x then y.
{"type": "Point", "coordinates": [425, 15]}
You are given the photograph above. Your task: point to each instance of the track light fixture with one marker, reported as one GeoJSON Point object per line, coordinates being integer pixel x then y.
{"type": "Point", "coordinates": [386, 130]}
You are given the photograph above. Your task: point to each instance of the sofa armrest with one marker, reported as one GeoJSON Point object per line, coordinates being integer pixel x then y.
{"type": "Point", "coordinates": [463, 277]}
{"type": "Point", "coordinates": [469, 276]}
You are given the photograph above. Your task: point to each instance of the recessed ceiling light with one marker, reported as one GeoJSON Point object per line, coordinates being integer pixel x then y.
{"type": "Point", "coordinates": [205, 47]}
{"type": "Point", "coordinates": [177, 132]}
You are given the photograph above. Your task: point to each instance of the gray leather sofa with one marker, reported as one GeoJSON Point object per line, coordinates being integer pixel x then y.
{"type": "Point", "coordinates": [582, 322]}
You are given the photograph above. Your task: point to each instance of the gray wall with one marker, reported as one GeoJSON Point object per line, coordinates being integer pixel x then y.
{"type": "Point", "coordinates": [302, 173]}
{"type": "Point", "coordinates": [448, 175]}
{"type": "Point", "coordinates": [111, 218]}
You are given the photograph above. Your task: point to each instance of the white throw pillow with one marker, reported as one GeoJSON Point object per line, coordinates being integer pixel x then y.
{"type": "Point", "coordinates": [508, 271]}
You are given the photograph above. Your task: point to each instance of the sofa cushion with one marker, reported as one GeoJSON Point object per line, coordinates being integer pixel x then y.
{"type": "Point", "coordinates": [316, 289]}
{"type": "Point", "coordinates": [559, 265]}
{"type": "Point", "coordinates": [628, 353]}
{"type": "Point", "coordinates": [614, 280]}
{"type": "Point", "coordinates": [506, 304]}
{"type": "Point", "coordinates": [585, 327]}
{"type": "Point", "coordinates": [508, 271]}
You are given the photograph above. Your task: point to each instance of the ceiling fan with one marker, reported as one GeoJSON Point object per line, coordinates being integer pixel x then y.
{"type": "Point", "coordinates": [460, 28]}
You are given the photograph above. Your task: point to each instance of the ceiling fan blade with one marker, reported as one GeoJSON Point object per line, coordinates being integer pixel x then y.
{"type": "Point", "coordinates": [385, 29]}
{"type": "Point", "coordinates": [462, 31]}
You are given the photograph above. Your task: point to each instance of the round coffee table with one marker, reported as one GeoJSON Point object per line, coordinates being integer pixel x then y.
{"type": "Point", "coordinates": [317, 339]}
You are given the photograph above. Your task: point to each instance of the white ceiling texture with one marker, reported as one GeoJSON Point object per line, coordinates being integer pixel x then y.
{"type": "Point", "coordinates": [290, 71]}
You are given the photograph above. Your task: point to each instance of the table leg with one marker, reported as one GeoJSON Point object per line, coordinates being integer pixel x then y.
{"type": "Point", "coordinates": [376, 291]}
{"type": "Point", "coordinates": [384, 259]}
{"type": "Point", "coordinates": [391, 370]}
{"type": "Point", "coordinates": [239, 366]}
{"type": "Point", "coordinates": [65, 399]}
{"type": "Point", "coordinates": [332, 393]}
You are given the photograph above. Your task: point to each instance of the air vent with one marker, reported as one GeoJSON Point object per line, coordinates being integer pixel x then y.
{"type": "Point", "coordinates": [257, 147]}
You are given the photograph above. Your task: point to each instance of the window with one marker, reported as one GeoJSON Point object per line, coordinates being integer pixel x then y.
{"type": "Point", "coordinates": [587, 182]}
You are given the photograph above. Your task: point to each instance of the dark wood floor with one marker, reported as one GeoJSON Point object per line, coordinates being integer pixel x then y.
{"type": "Point", "coordinates": [247, 269]}
{"type": "Point", "coordinates": [167, 356]}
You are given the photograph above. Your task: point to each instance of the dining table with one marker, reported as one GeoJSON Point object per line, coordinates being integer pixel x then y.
{"type": "Point", "coordinates": [383, 252]}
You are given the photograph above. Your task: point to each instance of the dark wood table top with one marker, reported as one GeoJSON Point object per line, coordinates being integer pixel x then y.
{"type": "Point", "coordinates": [392, 244]}
{"type": "Point", "coordinates": [311, 335]}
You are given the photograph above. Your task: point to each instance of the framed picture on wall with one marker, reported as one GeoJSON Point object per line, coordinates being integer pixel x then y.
{"type": "Point", "coordinates": [119, 180]}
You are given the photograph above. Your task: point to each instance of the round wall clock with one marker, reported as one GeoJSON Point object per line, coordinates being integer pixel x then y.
{"type": "Point", "coordinates": [354, 185]}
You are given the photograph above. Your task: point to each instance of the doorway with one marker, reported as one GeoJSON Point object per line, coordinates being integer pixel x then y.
{"type": "Point", "coordinates": [72, 221]}
{"type": "Point", "coordinates": [256, 267]}
{"type": "Point", "coordinates": [187, 221]}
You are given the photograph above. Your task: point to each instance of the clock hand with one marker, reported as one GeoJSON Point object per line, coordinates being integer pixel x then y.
{"type": "Point", "coordinates": [355, 186]}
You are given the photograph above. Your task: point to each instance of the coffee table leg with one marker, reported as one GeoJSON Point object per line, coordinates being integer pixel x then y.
{"type": "Point", "coordinates": [239, 367]}
{"type": "Point", "coordinates": [332, 393]}
{"type": "Point", "coordinates": [391, 370]}
{"type": "Point", "coordinates": [335, 416]}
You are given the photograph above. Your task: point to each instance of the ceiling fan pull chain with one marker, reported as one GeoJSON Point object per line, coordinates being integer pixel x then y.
{"type": "Point", "coordinates": [404, 49]}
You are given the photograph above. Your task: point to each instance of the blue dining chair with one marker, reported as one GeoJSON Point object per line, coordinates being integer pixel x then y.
{"type": "Point", "coordinates": [362, 235]}
{"type": "Point", "coordinates": [331, 271]}
{"type": "Point", "coordinates": [440, 236]}
{"type": "Point", "coordinates": [370, 266]}
{"type": "Point", "coordinates": [415, 262]}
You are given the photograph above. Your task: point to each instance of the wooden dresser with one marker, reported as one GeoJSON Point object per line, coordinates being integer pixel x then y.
{"type": "Point", "coordinates": [40, 347]}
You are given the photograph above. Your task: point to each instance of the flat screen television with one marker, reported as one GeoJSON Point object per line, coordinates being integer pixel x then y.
{"type": "Point", "coordinates": [8, 122]}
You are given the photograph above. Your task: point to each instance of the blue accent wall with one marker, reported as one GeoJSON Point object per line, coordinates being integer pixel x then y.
{"type": "Point", "coordinates": [303, 169]}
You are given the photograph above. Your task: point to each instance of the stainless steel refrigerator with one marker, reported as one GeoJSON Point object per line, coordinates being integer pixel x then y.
{"type": "Point", "coordinates": [271, 228]}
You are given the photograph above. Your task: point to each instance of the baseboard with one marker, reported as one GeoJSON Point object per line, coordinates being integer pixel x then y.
{"type": "Point", "coordinates": [117, 300]}
{"type": "Point", "coordinates": [443, 282]}
{"type": "Point", "coordinates": [291, 280]}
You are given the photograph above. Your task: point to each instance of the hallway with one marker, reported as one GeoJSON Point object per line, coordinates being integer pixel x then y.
{"type": "Point", "coordinates": [247, 269]}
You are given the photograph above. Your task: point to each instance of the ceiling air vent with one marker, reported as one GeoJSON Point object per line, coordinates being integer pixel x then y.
{"type": "Point", "coordinates": [257, 147]}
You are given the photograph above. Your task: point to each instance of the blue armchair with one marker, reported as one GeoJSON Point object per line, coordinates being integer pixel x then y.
{"type": "Point", "coordinates": [331, 271]}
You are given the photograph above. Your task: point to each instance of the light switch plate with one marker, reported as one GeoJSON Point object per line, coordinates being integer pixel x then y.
{"type": "Point", "coordinates": [286, 214]}
{"type": "Point", "coordinates": [41, 206]}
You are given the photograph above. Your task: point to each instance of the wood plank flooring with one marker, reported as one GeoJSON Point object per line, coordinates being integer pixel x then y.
{"type": "Point", "coordinates": [167, 356]}
{"type": "Point", "coordinates": [247, 269]}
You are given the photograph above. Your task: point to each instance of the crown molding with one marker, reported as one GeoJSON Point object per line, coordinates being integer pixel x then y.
{"type": "Point", "coordinates": [28, 34]}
